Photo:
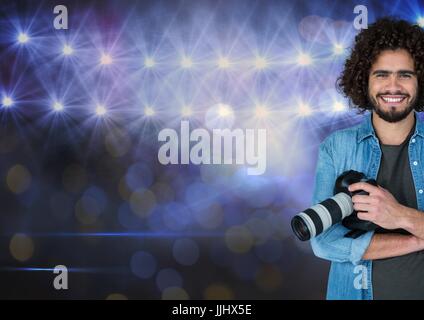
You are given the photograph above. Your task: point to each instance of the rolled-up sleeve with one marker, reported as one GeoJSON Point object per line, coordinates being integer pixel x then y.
{"type": "Point", "coordinates": [331, 244]}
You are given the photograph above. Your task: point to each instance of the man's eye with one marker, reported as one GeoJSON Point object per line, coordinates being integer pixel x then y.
{"type": "Point", "coordinates": [381, 75]}
{"type": "Point", "coordinates": [405, 76]}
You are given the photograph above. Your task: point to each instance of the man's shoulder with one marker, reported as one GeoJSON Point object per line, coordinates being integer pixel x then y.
{"type": "Point", "coordinates": [347, 135]}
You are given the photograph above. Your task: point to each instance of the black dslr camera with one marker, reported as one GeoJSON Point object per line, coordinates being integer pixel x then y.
{"type": "Point", "coordinates": [318, 218]}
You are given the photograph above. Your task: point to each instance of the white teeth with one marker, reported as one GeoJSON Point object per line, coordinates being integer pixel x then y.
{"type": "Point", "coordinates": [393, 100]}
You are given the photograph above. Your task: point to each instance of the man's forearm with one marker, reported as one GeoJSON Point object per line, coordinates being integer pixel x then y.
{"type": "Point", "coordinates": [412, 221]}
{"type": "Point", "coordinates": [384, 246]}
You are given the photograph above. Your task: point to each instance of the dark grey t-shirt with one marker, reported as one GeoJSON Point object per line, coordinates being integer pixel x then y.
{"type": "Point", "coordinates": [399, 277]}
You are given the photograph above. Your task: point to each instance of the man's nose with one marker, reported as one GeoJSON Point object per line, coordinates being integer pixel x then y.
{"type": "Point", "coordinates": [393, 84]}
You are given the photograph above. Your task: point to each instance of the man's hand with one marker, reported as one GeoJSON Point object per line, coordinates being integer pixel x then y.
{"type": "Point", "coordinates": [380, 205]}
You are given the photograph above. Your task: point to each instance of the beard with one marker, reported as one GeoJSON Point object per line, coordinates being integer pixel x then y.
{"type": "Point", "coordinates": [392, 115]}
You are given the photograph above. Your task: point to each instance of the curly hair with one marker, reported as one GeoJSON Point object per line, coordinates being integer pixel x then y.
{"type": "Point", "coordinates": [385, 34]}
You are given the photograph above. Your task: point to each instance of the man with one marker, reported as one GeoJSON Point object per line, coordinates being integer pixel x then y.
{"type": "Point", "coordinates": [385, 75]}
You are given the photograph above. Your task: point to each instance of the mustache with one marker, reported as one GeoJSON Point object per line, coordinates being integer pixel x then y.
{"type": "Point", "coordinates": [397, 93]}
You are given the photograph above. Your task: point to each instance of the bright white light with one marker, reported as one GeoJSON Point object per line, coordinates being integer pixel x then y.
{"type": "Point", "coordinates": [149, 111]}
{"type": "Point", "coordinates": [261, 63]}
{"type": "Point", "coordinates": [261, 111]}
{"type": "Point", "coordinates": [7, 101]}
{"type": "Point", "coordinates": [149, 62]}
{"type": "Point", "coordinates": [420, 22]}
{"type": "Point", "coordinates": [23, 38]}
{"type": "Point", "coordinates": [101, 110]}
{"type": "Point", "coordinates": [186, 111]}
{"type": "Point", "coordinates": [304, 110]}
{"type": "Point", "coordinates": [224, 110]}
{"type": "Point", "coordinates": [223, 63]}
{"type": "Point", "coordinates": [338, 49]}
{"type": "Point", "coordinates": [304, 59]}
{"type": "Point", "coordinates": [338, 106]}
{"type": "Point", "coordinates": [106, 59]}
{"type": "Point", "coordinates": [186, 63]}
{"type": "Point", "coordinates": [67, 50]}
{"type": "Point", "coordinates": [58, 106]}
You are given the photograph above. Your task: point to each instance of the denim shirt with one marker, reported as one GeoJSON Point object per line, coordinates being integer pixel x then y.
{"type": "Point", "coordinates": [356, 148]}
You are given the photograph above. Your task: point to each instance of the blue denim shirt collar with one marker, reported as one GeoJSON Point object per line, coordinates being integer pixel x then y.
{"type": "Point", "coordinates": [366, 128]}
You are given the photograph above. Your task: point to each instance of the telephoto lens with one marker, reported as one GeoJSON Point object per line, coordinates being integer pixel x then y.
{"type": "Point", "coordinates": [322, 216]}
{"type": "Point", "coordinates": [318, 218]}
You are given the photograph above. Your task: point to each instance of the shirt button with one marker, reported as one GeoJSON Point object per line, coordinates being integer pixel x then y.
{"type": "Point", "coordinates": [413, 140]}
{"type": "Point", "coordinates": [420, 191]}
{"type": "Point", "coordinates": [415, 163]}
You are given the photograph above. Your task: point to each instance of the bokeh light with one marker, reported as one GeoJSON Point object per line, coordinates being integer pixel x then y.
{"type": "Point", "coordinates": [239, 239]}
{"type": "Point", "coordinates": [185, 251]}
{"type": "Point", "coordinates": [87, 210]}
{"type": "Point", "coordinates": [116, 296]}
{"type": "Point", "coordinates": [269, 278]}
{"type": "Point", "coordinates": [18, 179]}
{"type": "Point", "coordinates": [143, 264]}
{"type": "Point", "coordinates": [176, 216]}
{"type": "Point", "coordinates": [21, 247]}
{"type": "Point", "coordinates": [168, 278]}
{"type": "Point", "coordinates": [175, 293]}
{"type": "Point", "coordinates": [142, 201]}
{"type": "Point", "coordinates": [218, 292]}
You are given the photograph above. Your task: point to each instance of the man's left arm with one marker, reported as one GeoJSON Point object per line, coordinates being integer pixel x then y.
{"type": "Point", "coordinates": [413, 221]}
{"type": "Point", "coordinates": [381, 208]}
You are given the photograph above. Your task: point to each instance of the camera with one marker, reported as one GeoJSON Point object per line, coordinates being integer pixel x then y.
{"type": "Point", "coordinates": [339, 208]}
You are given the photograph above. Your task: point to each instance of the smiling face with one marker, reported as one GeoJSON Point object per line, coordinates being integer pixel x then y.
{"type": "Point", "coordinates": [392, 85]}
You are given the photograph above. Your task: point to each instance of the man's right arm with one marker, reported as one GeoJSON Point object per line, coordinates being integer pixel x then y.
{"type": "Point", "coordinates": [332, 244]}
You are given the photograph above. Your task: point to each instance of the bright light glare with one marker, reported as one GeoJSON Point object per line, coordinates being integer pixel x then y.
{"type": "Point", "coordinates": [186, 111]}
{"type": "Point", "coordinates": [101, 110]}
{"type": "Point", "coordinates": [23, 38]}
{"type": "Point", "coordinates": [338, 49]}
{"type": "Point", "coordinates": [304, 110]}
{"type": "Point", "coordinates": [224, 110]}
{"type": "Point", "coordinates": [304, 59]}
{"type": "Point", "coordinates": [149, 62]}
{"type": "Point", "coordinates": [338, 106]}
{"type": "Point", "coordinates": [149, 111]}
{"type": "Point", "coordinates": [7, 101]}
{"type": "Point", "coordinates": [261, 63]}
{"type": "Point", "coordinates": [186, 63]}
{"type": "Point", "coordinates": [106, 59]}
{"type": "Point", "coordinates": [223, 63]}
{"type": "Point", "coordinates": [261, 111]}
{"type": "Point", "coordinates": [67, 50]}
{"type": "Point", "coordinates": [58, 106]}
